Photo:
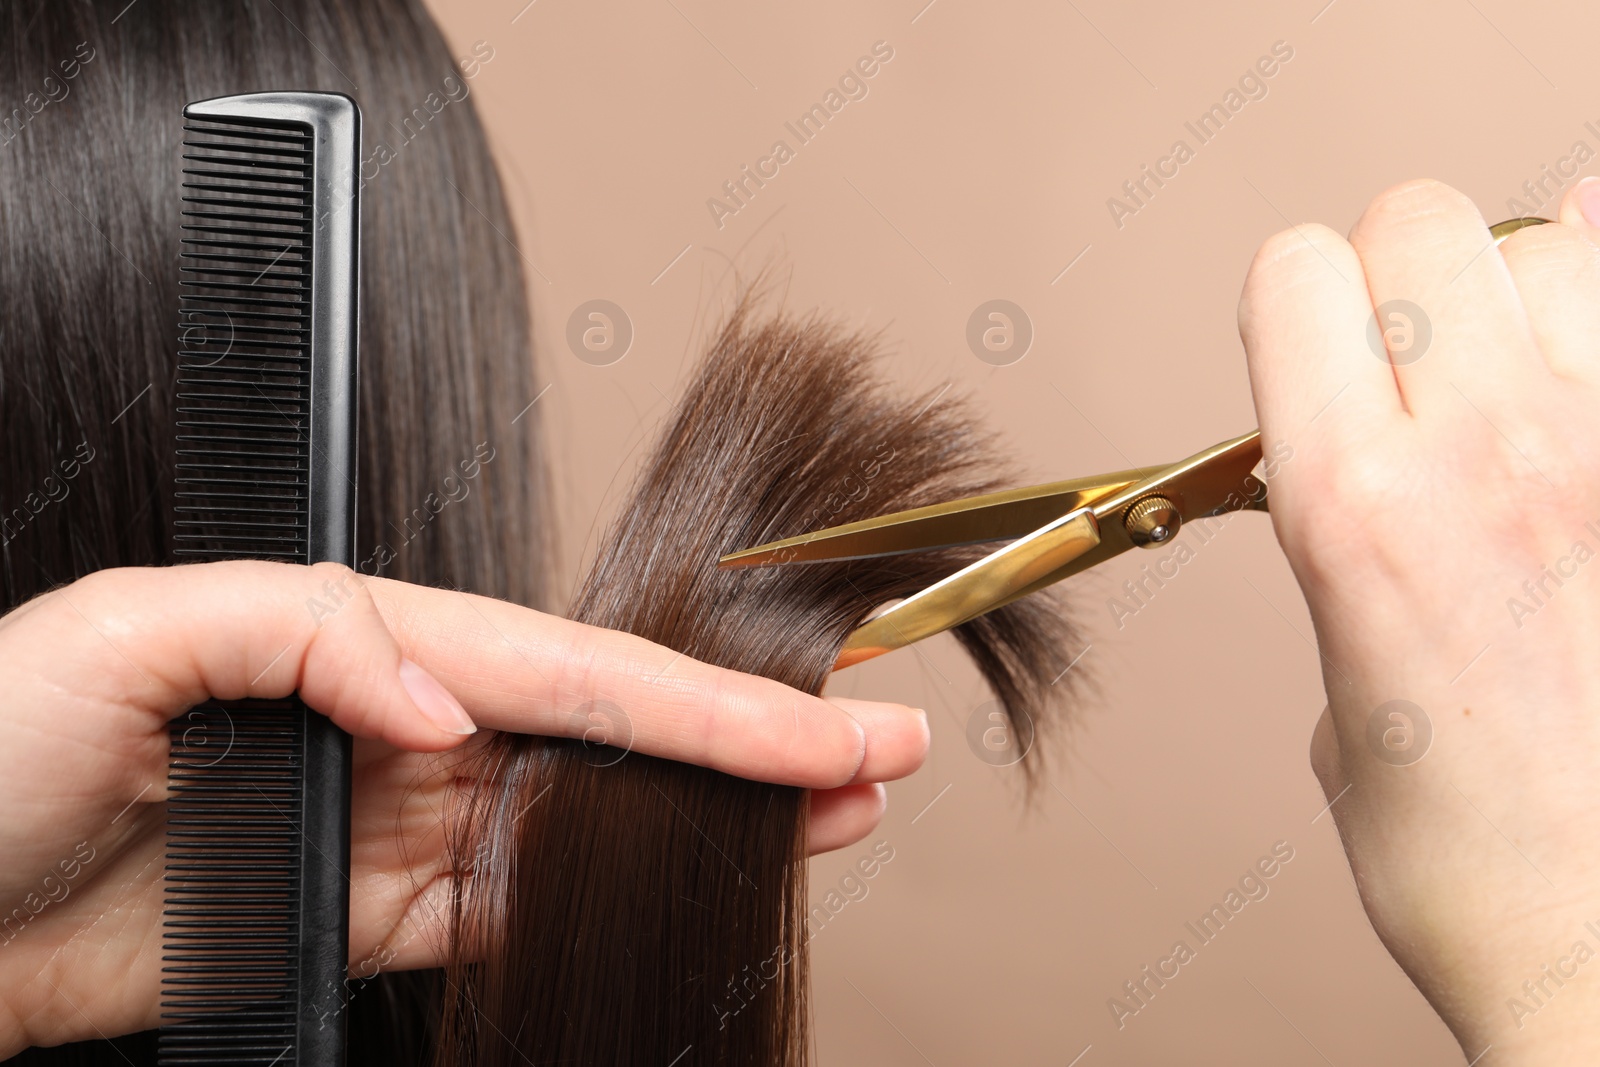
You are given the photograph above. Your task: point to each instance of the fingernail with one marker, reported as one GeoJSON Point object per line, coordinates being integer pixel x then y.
{"type": "Point", "coordinates": [866, 713]}
{"type": "Point", "coordinates": [434, 700]}
{"type": "Point", "coordinates": [1589, 200]}
{"type": "Point", "coordinates": [885, 728]}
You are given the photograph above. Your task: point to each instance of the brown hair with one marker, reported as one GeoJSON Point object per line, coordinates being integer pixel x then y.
{"type": "Point", "coordinates": [631, 909]}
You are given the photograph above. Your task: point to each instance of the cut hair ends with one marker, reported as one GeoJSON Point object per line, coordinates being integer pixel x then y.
{"type": "Point", "coordinates": [627, 909]}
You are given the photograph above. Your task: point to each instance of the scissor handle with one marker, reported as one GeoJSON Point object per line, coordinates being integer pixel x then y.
{"type": "Point", "coordinates": [1501, 230]}
{"type": "Point", "coordinates": [1097, 519]}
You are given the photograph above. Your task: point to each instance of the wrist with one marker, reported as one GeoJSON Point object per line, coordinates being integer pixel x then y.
{"type": "Point", "coordinates": [1539, 1009]}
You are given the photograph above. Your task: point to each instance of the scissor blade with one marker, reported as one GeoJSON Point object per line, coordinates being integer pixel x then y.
{"type": "Point", "coordinates": [974, 589]}
{"type": "Point", "coordinates": [991, 517]}
{"type": "Point", "coordinates": [1211, 482]}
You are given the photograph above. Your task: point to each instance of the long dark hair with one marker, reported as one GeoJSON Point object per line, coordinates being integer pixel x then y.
{"type": "Point", "coordinates": [622, 909]}
{"type": "Point", "coordinates": [89, 206]}
{"type": "Point", "coordinates": [91, 99]}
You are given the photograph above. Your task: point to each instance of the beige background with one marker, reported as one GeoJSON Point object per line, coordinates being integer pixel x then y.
{"type": "Point", "coordinates": [977, 167]}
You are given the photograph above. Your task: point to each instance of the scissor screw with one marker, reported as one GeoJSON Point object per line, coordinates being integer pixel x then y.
{"type": "Point", "coordinates": [1152, 521]}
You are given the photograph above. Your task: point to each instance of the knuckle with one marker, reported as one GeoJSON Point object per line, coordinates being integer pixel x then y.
{"type": "Point", "coordinates": [332, 589]}
{"type": "Point", "coordinates": [118, 599]}
{"type": "Point", "coordinates": [1411, 202]}
{"type": "Point", "coordinates": [101, 586]}
{"type": "Point", "coordinates": [714, 706]}
{"type": "Point", "coordinates": [1548, 469]}
{"type": "Point", "coordinates": [1552, 252]}
{"type": "Point", "coordinates": [47, 613]}
{"type": "Point", "coordinates": [1287, 260]}
{"type": "Point", "coordinates": [720, 709]}
{"type": "Point", "coordinates": [336, 573]}
{"type": "Point", "coordinates": [575, 671]}
{"type": "Point", "coordinates": [1288, 248]}
{"type": "Point", "coordinates": [1332, 486]}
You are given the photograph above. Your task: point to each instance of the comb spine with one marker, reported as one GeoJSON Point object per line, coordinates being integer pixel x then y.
{"type": "Point", "coordinates": [335, 318]}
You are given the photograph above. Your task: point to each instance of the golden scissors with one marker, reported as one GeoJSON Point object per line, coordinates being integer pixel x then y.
{"type": "Point", "coordinates": [1055, 531]}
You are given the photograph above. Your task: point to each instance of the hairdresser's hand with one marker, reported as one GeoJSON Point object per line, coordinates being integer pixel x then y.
{"type": "Point", "coordinates": [94, 672]}
{"type": "Point", "coordinates": [1441, 510]}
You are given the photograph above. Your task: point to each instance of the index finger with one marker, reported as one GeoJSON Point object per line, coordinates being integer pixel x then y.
{"type": "Point", "coordinates": [523, 671]}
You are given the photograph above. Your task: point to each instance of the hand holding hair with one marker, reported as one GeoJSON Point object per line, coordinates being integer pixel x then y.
{"type": "Point", "coordinates": [97, 669]}
{"type": "Point", "coordinates": [1441, 512]}
{"type": "Point", "coordinates": [646, 907]}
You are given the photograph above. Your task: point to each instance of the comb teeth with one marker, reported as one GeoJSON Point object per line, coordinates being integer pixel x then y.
{"type": "Point", "coordinates": [256, 915]}
{"type": "Point", "coordinates": [244, 326]}
{"type": "Point", "coordinates": [231, 922]}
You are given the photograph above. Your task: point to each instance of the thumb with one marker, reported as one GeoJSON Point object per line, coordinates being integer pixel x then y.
{"type": "Point", "coordinates": [163, 639]}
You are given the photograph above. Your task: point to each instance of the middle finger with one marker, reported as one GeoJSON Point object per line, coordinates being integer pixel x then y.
{"type": "Point", "coordinates": [1456, 330]}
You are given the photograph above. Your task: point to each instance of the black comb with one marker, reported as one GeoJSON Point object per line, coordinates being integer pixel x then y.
{"type": "Point", "coordinates": [256, 920]}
